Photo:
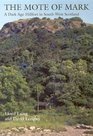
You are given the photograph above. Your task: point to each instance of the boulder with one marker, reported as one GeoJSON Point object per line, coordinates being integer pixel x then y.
{"type": "Point", "coordinates": [32, 128]}
{"type": "Point", "coordinates": [82, 126]}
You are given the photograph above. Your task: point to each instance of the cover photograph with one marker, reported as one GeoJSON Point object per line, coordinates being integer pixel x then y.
{"type": "Point", "coordinates": [46, 68]}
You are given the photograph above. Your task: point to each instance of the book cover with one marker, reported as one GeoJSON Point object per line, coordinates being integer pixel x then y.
{"type": "Point", "coordinates": [46, 68]}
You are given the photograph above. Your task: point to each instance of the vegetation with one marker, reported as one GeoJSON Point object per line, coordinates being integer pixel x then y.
{"type": "Point", "coordinates": [46, 121]}
{"type": "Point", "coordinates": [53, 68]}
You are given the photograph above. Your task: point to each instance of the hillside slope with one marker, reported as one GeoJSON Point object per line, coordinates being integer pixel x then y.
{"type": "Point", "coordinates": [55, 61]}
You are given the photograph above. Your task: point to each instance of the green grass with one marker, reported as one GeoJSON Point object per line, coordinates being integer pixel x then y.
{"type": "Point", "coordinates": [53, 122]}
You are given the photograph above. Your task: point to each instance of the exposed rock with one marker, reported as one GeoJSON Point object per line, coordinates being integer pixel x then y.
{"type": "Point", "coordinates": [15, 129]}
{"type": "Point", "coordinates": [9, 134]}
{"type": "Point", "coordinates": [23, 129]}
{"type": "Point", "coordinates": [52, 25]}
{"type": "Point", "coordinates": [82, 126]}
{"type": "Point", "coordinates": [32, 128]}
{"type": "Point", "coordinates": [71, 131]}
{"type": "Point", "coordinates": [47, 130]}
{"type": "Point", "coordinates": [38, 129]}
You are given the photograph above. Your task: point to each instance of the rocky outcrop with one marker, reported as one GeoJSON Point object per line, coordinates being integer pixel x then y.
{"type": "Point", "coordinates": [26, 25]}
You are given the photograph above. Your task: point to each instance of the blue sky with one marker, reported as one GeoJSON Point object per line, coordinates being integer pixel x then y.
{"type": "Point", "coordinates": [87, 15]}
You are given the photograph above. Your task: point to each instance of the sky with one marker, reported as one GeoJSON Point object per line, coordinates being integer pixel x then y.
{"type": "Point", "coordinates": [9, 16]}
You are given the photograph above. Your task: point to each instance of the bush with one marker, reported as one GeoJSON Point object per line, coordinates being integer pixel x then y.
{"type": "Point", "coordinates": [85, 117]}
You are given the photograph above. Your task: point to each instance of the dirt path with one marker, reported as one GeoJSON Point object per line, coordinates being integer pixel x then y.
{"type": "Point", "coordinates": [71, 131]}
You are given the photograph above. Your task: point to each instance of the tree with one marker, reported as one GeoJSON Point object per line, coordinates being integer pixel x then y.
{"type": "Point", "coordinates": [38, 88]}
{"type": "Point", "coordinates": [13, 88]}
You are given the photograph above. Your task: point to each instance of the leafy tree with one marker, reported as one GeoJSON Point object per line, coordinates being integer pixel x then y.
{"type": "Point", "coordinates": [13, 88]}
{"type": "Point", "coordinates": [38, 89]}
